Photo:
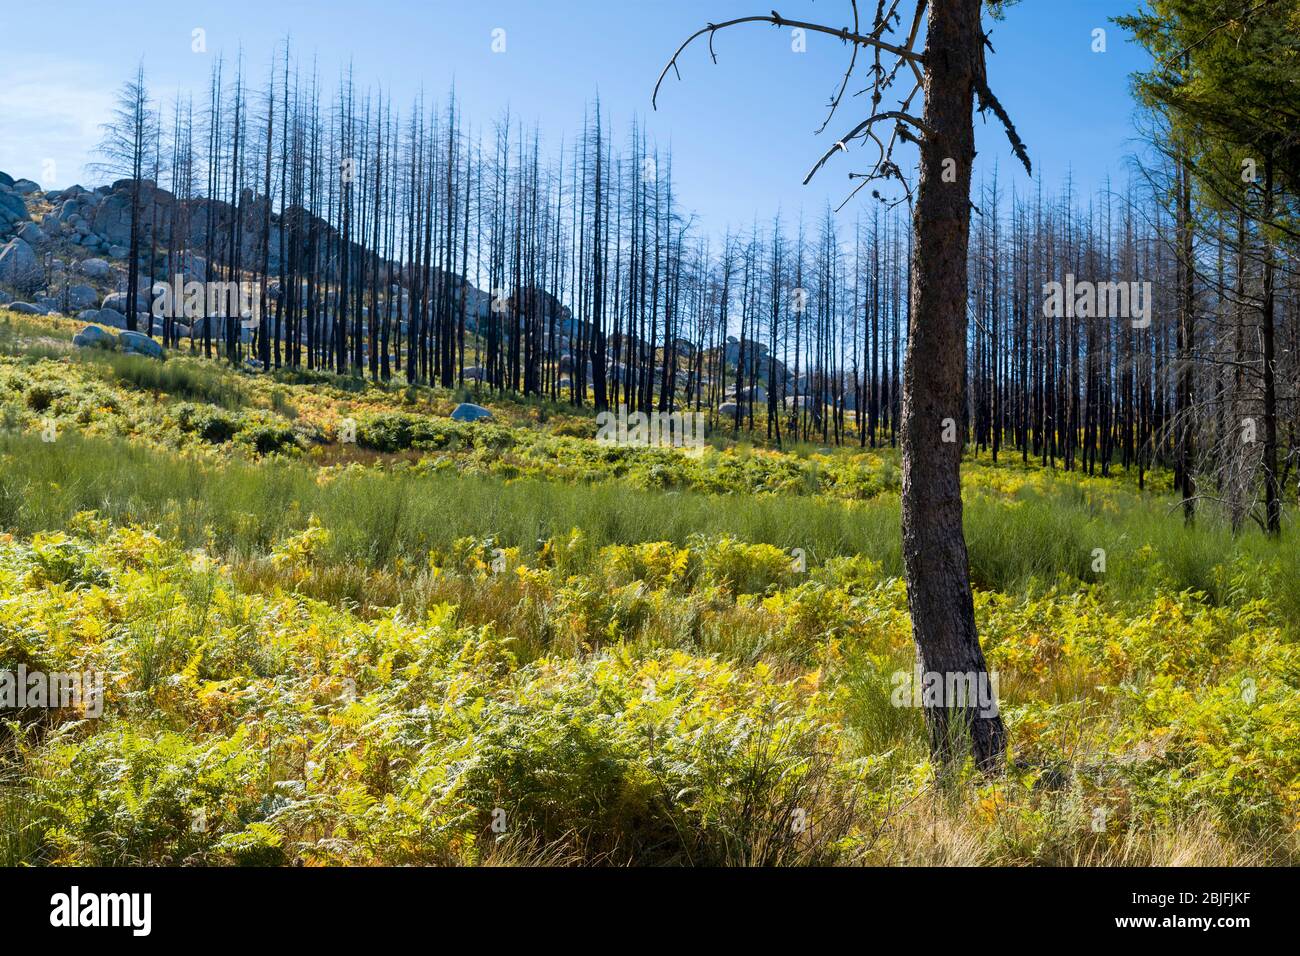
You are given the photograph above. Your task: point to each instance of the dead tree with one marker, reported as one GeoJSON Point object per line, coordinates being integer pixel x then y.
{"type": "Point", "coordinates": [951, 74]}
{"type": "Point", "coordinates": [124, 150]}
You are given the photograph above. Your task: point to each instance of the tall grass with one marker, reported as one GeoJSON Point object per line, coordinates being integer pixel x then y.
{"type": "Point", "coordinates": [20, 843]}
{"type": "Point", "coordinates": [376, 517]}
{"type": "Point", "coordinates": [30, 339]}
{"type": "Point", "coordinates": [177, 377]}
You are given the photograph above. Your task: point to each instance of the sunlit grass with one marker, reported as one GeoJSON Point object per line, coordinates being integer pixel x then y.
{"type": "Point", "coordinates": [618, 645]}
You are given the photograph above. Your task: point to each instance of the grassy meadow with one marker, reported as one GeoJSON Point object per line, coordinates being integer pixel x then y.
{"type": "Point", "coordinates": [504, 642]}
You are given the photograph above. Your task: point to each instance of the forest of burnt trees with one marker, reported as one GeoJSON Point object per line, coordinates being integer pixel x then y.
{"type": "Point", "coordinates": [589, 284]}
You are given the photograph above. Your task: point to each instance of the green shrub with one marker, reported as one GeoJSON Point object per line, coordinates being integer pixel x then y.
{"type": "Point", "coordinates": [57, 559]}
{"type": "Point", "coordinates": [398, 431]}
{"type": "Point", "coordinates": [269, 438]}
{"type": "Point", "coordinates": [210, 424]}
{"type": "Point", "coordinates": [41, 395]}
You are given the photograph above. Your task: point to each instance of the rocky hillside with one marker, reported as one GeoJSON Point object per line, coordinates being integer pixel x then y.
{"type": "Point", "coordinates": [64, 252]}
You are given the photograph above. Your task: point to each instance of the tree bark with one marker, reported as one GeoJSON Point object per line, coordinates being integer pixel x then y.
{"type": "Point", "coordinates": [934, 549]}
{"type": "Point", "coordinates": [1272, 490]}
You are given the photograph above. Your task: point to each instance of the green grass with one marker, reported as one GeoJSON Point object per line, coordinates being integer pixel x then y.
{"type": "Point", "coordinates": [562, 684]}
{"type": "Point", "coordinates": [177, 377]}
{"type": "Point", "coordinates": [1019, 545]}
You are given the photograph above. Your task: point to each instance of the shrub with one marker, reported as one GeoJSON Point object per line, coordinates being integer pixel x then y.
{"type": "Point", "coordinates": [657, 563]}
{"type": "Point", "coordinates": [269, 438]}
{"type": "Point", "coordinates": [210, 424]}
{"type": "Point", "coordinates": [398, 431]}
{"type": "Point", "coordinates": [743, 568]}
{"type": "Point", "coordinates": [58, 559]}
{"type": "Point", "coordinates": [41, 395]}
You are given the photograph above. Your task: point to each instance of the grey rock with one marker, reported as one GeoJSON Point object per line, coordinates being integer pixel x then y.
{"type": "Point", "coordinates": [26, 308]}
{"type": "Point", "coordinates": [113, 218]}
{"type": "Point", "coordinates": [95, 268]}
{"type": "Point", "coordinates": [24, 187]}
{"type": "Point", "coordinates": [117, 301]}
{"type": "Point", "coordinates": [756, 394]}
{"type": "Point", "coordinates": [194, 268]}
{"type": "Point", "coordinates": [82, 296]}
{"type": "Point", "coordinates": [12, 207]}
{"type": "Point", "coordinates": [118, 252]}
{"type": "Point", "coordinates": [19, 266]}
{"type": "Point", "coordinates": [92, 336]}
{"type": "Point", "coordinates": [140, 344]}
{"type": "Point", "coordinates": [469, 412]}
{"type": "Point", "coordinates": [32, 234]}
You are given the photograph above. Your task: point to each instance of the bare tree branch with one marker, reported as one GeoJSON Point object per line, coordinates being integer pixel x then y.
{"type": "Point", "coordinates": [774, 18]}
{"type": "Point", "coordinates": [859, 129]}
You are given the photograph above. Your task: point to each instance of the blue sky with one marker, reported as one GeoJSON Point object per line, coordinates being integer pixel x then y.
{"type": "Point", "coordinates": [741, 131]}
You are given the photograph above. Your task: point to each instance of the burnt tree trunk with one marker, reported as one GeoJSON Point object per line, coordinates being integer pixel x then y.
{"type": "Point", "coordinates": [934, 548]}
{"type": "Point", "coordinates": [1272, 488]}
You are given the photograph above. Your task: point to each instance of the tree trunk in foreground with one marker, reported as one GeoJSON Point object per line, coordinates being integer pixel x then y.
{"type": "Point", "coordinates": [934, 549]}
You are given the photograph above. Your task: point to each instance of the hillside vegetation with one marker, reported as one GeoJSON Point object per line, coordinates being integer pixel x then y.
{"type": "Point", "coordinates": [506, 642]}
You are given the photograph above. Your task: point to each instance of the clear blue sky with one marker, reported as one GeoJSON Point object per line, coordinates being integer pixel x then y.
{"type": "Point", "coordinates": [741, 131]}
